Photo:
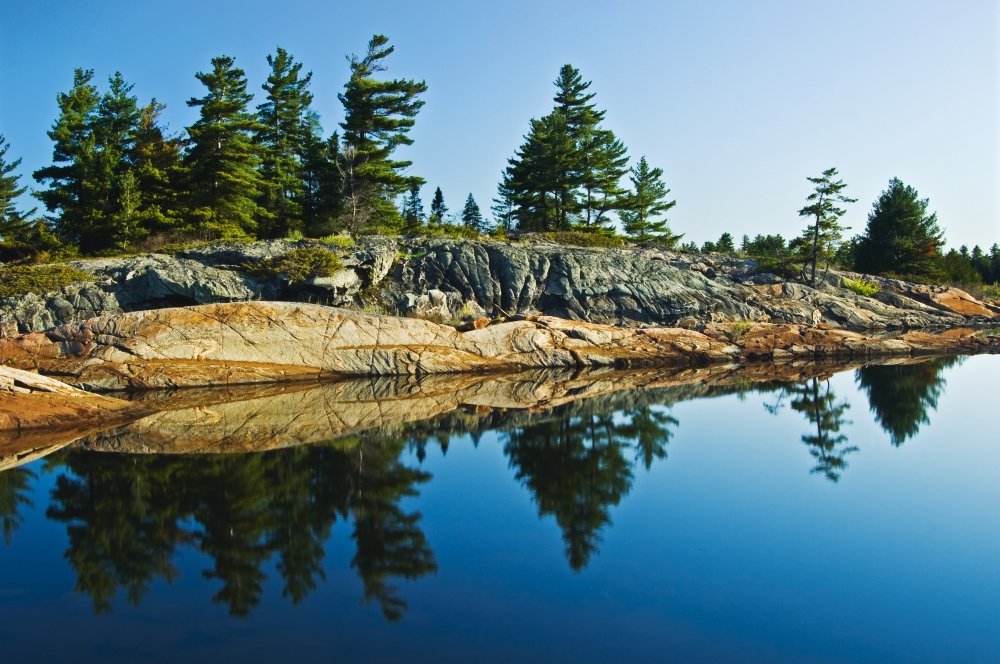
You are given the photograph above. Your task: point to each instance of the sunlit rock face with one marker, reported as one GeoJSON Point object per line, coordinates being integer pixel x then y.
{"type": "Point", "coordinates": [443, 279]}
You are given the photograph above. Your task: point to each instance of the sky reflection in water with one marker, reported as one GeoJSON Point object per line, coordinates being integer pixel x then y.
{"type": "Point", "coordinates": [843, 518]}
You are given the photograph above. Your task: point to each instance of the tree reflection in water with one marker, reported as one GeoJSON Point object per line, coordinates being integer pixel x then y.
{"type": "Point", "coordinates": [901, 394]}
{"type": "Point", "coordinates": [575, 465]}
{"type": "Point", "coordinates": [127, 515]}
{"type": "Point", "coordinates": [15, 487]}
{"type": "Point", "coordinates": [816, 400]}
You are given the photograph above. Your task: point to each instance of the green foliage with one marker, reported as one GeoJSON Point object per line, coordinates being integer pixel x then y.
{"type": "Point", "coordinates": [645, 203]}
{"type": "Point", "coordinates": [602, 239]}
{"type": "Point", "coordinates": [297, 265]}
{"type": "Point", "coordinates": [452, 231]}
{"type": "Point", "coordinates": [861, 286]}
{"type": "Point", "coordinates": [413, 211]}
{"type": "Point", "coordinates": [342, 241]}
{"type": "Point", "coordinates": [724, 245]}
{"type": "Point", "coordinates": [472, 218]}
{"type": "Point", "coordinates": [222, 179]}
{"type": "Point", "coordinates": [282, 137]}
{"type": "Point", "coordinates": [901, 237]}
{"type": "Point", "coordinates": [438, 208]}
{"type": "Point", "coordinates": [568, 170]}
{"type": "Point", "coordinates": [21, 279]}
{"type": "Point", "coordinates": [820, 239]}
{"type": "Point", "coordinates": [14, 224]}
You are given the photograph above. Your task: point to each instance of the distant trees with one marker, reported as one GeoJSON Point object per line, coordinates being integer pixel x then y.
{"type": "Point", "coordinates": [472, 217]}
{"type": "Point", "coordinates": [901, 237]}
{"type": "Point", "coordinates": [820, 238]}
{"type": "Point", "coordinates": [413, 210]}
{"type": "Point", "coordinates": [438, 208]}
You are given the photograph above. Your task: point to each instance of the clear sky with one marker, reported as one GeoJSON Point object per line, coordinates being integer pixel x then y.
{"type": "Point", "coordinates": [737, 100]}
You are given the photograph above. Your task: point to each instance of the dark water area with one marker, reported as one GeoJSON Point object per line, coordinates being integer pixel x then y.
{"type": "Point", "coordinates": [851, 516]}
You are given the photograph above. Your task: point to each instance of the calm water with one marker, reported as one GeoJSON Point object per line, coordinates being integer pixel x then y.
{"type": "Point", "coordinates": [846, 518]}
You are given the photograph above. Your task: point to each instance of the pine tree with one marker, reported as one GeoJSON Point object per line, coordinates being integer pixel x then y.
{"type": "Point", "coordinates": [438, 209]}
{"type": "Point", "coordinates": [472, 218]}
{"type": "Point", "coordinates": [413, 211]}
{"type": "Point", "coordinates": [503, 207]}
{"type": "Point", "coordinates": [222, 162]}
{"type": "Point", "coordinates": [901, 238]}
{"type": "Point", "coordinates": [282, 137]}
{"type": "Point", "coordinates": [322, 202]}
{"type": "Point", "coordinates": [568, 171]}
{"type": "Point", "coordinates": [156, 165]}
{"type": "Point", "coordinates": [646, 202]}
{"type": "Point", "coordinates": [820, 238]}
{"type": "Point", "coordinates": [14, 224]}
{"type": "Point", "coordinates": [378, 117]}
{"type": "Point", "coordinates": [68, 196]}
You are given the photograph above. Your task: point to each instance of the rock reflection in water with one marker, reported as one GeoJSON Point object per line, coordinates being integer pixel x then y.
{"type": "Point", "coordinates": [259, 474]}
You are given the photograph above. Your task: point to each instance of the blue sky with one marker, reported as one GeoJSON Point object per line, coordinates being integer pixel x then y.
{"type": "Point", "coordinates": [738, 102]}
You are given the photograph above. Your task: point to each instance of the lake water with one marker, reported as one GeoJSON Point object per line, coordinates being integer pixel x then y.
{"type": "Point", "coordinates": [852, 517]}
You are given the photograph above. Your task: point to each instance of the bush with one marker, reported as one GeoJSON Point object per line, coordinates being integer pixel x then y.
{"type": "Point", "coordinates": [861, 286]}
{"type": "Point", "coordinates": [585, 238]}
{"type": "Point", "coordinates": [337, 240]}
{"type": "Point", "coordinates": [451, 231]}
{"type": "Point", "coordinates": [21, 279]}
{"type": "Point", "coordinates": [297, 265]}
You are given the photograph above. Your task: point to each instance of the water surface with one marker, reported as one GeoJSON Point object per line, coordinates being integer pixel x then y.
{"type": "Point", "coordinates": [843, 517]}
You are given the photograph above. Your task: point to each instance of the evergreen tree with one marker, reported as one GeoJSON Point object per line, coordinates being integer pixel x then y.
{"type": "Point", "coordinates": [820, 238]}
{"type": "Point", "coordinates": [14, 224]}
{"type": "Point", "coordinates": [472, 218]}
{"type": "Point", "coordinates": [645, 203]}
{"type": "Point", "coordinates": [569, 169]}
{"type": "Point", "coordinates": [283, 136]}
{"type": "Point", "coordinates": [223, 181]}
{"type": "Point", "coordinates": [378, 117]}
{"type": "Point", "coordinates": [503, 208]}
{"type": "Point", "coordinates": [69, 195]}
{"type": "Point", "coordinates": [828, 446]}
{"type": "Point", "coordinates": [413, 211]}
{"type": "Point", "coordinates": [901, 237]}
{"type": "Point", "coordinates": [156, 167]}
{"type": "Point", "coordinates": [322, 202]}
{"type": "Point", "coordinates": [116, 129]}
{"type": "Point", "coordinates": [901, 395]}
{"type": "Point", "coordinates": [438, 208]}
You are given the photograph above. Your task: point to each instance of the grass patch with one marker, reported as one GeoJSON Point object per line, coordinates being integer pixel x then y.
{"type": "Point", "coordinates": [585, 239]}
{"type": "Point", "coordinates": [297, 265]}
{"type": "Point", "coordinates": [861, 286]}
{"type": "Point", "coordinates": [21, 279]}
{"type": "Point", "coordinates": [337, 240]}
{"type": "Point", "coordinates": [738, 328]}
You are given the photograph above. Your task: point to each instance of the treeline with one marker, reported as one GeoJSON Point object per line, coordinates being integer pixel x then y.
{"type": "Point", "coordinates": [119, 181]}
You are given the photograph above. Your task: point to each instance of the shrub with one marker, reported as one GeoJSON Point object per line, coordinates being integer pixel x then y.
{"type": "Point", "coordinates": [861, 286]}
{"type": "Point", "coordinates": [738, 328]}
{"type": "Point", "coordinates": [21, 279]}
{"type": "Point", "coordinates": [585, 238]}
{"type": "Point", "coordinates": [297, 265]}
{"type": "Point", "coordinates": [451, 231]}
{"type": "Point", "coordinates": [337, 240]}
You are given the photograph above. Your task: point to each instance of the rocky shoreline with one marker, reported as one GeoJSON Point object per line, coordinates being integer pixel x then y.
{"type": "Point", "coordinates": [522, 307]}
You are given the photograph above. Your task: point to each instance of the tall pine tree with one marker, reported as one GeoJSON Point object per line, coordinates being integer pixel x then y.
{"type": "Point", "coordinates": [821, 237]}
{"type": "Point", "coordinates": [438, 208]}
{"type": "Point", "coordinates": [378, 115]}
{"type": "Point", "coordinates": [70, 196]}
{"type": "Point", "coordinates": [223, 181]}
{"type": "Point", "coordinates": [283, 137]}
